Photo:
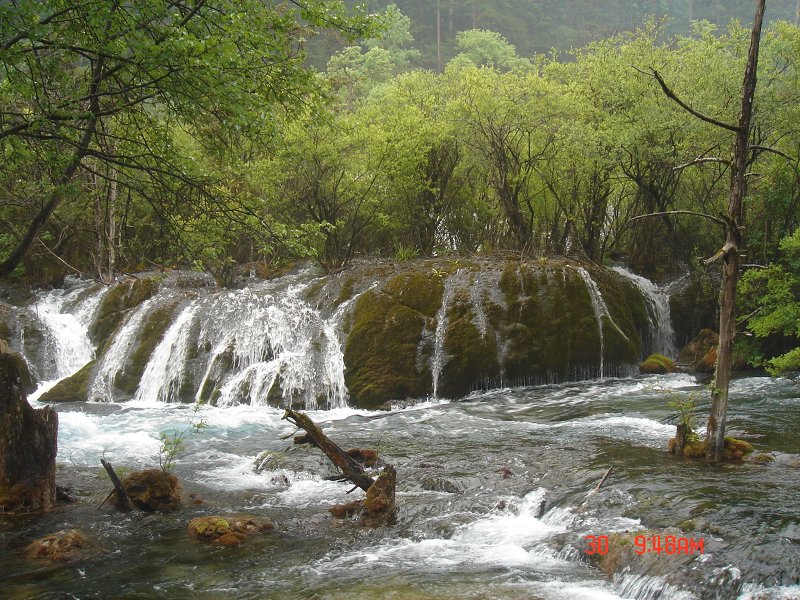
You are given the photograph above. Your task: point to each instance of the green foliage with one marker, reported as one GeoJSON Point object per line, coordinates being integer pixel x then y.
{"type": "Point", "coordinates": [684, 406]}
{"type": "Point", "coordinates": [173, 442]}
{"type": "Point", "coordinates": [770, 298]}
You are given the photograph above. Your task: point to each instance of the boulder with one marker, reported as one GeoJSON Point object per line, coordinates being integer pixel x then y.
{"type": "Point", "coordinates": [153, 490]}
{"type": "Point", "coordinates": [700, 354]}
{"type": "Point", "coordinates": [657, 364]}
{"type": "Point", "coordinates": [65, 545]}
{"type": "Point", "coordinates": [227, 531]}
{"type": "Point", "coordinates": [74, 388]}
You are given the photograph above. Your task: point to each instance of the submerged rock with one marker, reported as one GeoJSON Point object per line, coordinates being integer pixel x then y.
{"type": "Point", "coordinates": [65, 545]}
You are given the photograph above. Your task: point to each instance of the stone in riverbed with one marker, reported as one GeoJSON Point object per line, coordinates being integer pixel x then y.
{"type": "Point", "coordinates": [65, 545]}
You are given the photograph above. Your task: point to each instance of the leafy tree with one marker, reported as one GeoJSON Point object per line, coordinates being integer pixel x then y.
{"type": "Point", "coordinates": [770, 298]}
{"type": "Point", "coordinates": [88, 87]}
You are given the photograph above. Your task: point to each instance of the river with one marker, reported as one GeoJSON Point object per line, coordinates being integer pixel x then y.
{"type": "Point", "coordinates": [493, 500]}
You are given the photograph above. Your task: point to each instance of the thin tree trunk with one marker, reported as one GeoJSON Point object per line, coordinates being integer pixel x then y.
{"type": "Point", "coordinates": [715, 437]}
{"type": "Point", "coordinates": [438, 37]}
{"type": "Point", "coordinates": [110, 226]}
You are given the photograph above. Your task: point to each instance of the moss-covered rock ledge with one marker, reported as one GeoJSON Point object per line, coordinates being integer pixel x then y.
{"type": "Point", "coordinates": [465, 325]}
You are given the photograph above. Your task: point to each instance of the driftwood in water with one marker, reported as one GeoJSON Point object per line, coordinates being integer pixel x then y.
{"type": "Point", "coordinates": [596, 489]}
{"type": "Point", "coordinates": [28, 445]}
{"type": "Point", "coordinates": [349, 466]}
{"type": "Point", "coordinates": [379, 505]}
{"type": "Point", "coordinates": [123, 502]}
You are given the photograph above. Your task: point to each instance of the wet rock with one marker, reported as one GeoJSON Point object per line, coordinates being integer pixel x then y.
{"type": "Point", "coordinates": [153, 490]}
{"type": "Point", "coordinates": [227, 531]}
{"type": "Point", "coordinates": [121, 298]}
{"type": "Point", "coordinates": [155, 325]}
{"type": "Point", "coordinates": [26, 379]}
{"type": "Point", "coordinates": [65, 545]}
{"type": "Point", "coordinates": [72, 389]}
{"type": "Point", "coordinates": [347, 510]}
{"type": "Point", "coordinates": [366, 457]}
{"type": "Point", "coordinates": [657, 364]}
{"type": "Point", "coordinates": [700, 354]}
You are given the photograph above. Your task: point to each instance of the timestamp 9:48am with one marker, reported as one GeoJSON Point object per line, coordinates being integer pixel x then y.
{"type": "Point", "coordinates": [645, 544]}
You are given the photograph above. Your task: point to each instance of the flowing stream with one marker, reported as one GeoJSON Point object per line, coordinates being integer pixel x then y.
{"type": "Point", "coordinates": [493, 497]}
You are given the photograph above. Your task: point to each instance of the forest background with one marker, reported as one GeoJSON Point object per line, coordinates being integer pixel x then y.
{"type": "Point", "coordinates": [223, 135]}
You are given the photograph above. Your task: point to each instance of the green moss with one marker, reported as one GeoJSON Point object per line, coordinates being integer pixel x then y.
{"type": "Point", "coordinates": [418, 290]}
{"type": "Point", "coordinates": [381, 351]}
{"type": "Point", "coordinates": [119, 299]}
{"type": "Point", "coordinates": [472, 357]}
{"type": "Point", "coordinates": [72, 389]}
{"type": "Point", "coordinates": [550, 329]}
{"type": "Point", "coordinates": [657, 364]}
{"type": "Point", "coordinates": [346, 292]}
{"type": "Point", "coordinates": [733, 450]}
{"type": "Point", "coordinates": [156, 324]}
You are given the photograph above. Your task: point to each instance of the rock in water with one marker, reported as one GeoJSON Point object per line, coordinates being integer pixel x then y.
{"type": "Point", "coordinates": [28, 445]}
{"type": "Point", "coordinates": [227, 531]}
{"type": "Point", "coordinates": [153, 490]}
{"type": "Point", "coordinates": [63, 545]}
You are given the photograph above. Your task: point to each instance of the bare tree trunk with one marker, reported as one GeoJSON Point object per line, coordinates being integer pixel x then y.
{"type": "Point", "coordinates": [438, 37]}
{"type": "Point", "coordinates": [28, 446]}
{"type": "Point", "coordinates": [110, 228]}
{"type": "Point", "coordinates": [715, 434]}
{"type": "Point", "coordinates": [797, 14]}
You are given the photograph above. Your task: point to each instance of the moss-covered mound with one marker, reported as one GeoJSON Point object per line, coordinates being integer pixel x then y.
{"type": "Point", "coordinates": [74, 388]}
{"type": "Point", "coordinates": [227, 531]}
{"type": "Point", "coordinates": [503, 323]}
{"type": "Point", "coordinates": [657, 364]}
{"type": "Point", "coordinates": [116, 302]}
{"type": "Point", "coordinates": [734, 449]}
{"type": "Point", "coordinates": [153, 490]}
{"type": "Point", "coordinates": [381, 351]}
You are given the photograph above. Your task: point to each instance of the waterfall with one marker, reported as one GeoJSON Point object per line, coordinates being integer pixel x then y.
{"type": "Point", "coordinates": [439, 358]}
{"type": "Point", "coordinates": [662, 335]}
{"type": "Point", "coordinates": [600, 310]}
{"type": "Point", "coordinates": [65, 315]}
{"type": "Point", "coordinates": [163, 375]}
{"type": "Point", "coordinates": [121, 345]}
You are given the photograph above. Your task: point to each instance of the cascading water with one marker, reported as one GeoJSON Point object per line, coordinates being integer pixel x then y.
{"type": "Point", "coordinates": [113, 360]}
{"type": "Point", "coordinates": [600, 311]}
{"type": "Point", "coordinates": [64, 317]}
{"type": "Point", "coordinates": [439, 357]}
{"type": "Point", "coordinates": [663, 336]}
{"type": "Point", "coordinates": [163, 375]}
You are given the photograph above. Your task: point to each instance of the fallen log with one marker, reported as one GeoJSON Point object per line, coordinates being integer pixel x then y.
{"type": "Point", "coordinates": [348, 466]}
{"type": "Point", "coordinates": [379, 505]}
{"type": "Point", "coordinates": [123, 501]}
